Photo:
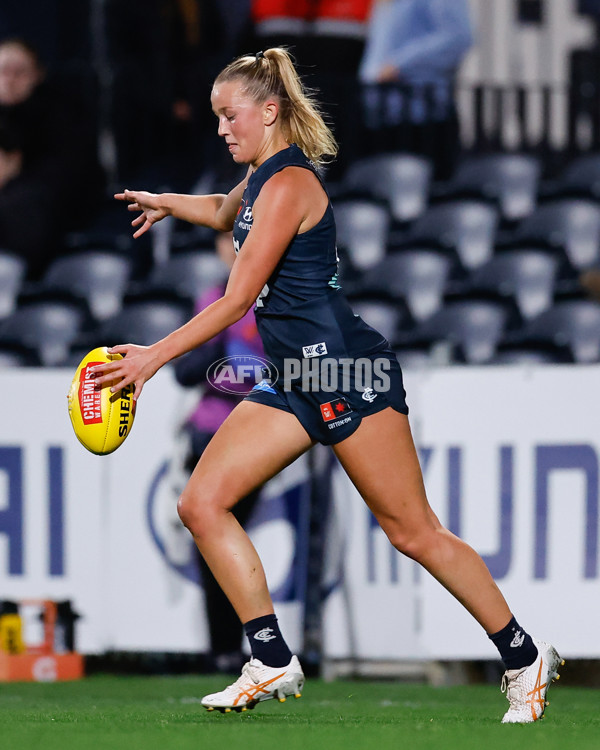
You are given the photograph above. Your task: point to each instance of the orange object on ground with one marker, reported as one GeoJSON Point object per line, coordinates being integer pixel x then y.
{"type": "Point", "coordinates": [40, 663]}
{"type": "Point", "coordinates": [40, 667]}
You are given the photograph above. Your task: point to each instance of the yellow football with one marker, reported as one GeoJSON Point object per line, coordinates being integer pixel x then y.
{"type": "Point", "coordinates": [101, 419]}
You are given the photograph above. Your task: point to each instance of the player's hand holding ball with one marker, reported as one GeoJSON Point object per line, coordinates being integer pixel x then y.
{"type": "Point", "coordinates": [135, 365]}
{"type": "Point", "coordinates": [101, 419]}
{"type": "Point", "coordinates": [104, 391]}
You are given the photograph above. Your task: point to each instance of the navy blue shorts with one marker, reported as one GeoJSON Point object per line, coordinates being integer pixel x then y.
{"type": "Point", "coordinates": [328, 413]}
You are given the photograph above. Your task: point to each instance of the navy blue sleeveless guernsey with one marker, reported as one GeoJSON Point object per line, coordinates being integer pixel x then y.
{"type": "Point", "coordinates": [301, 305]}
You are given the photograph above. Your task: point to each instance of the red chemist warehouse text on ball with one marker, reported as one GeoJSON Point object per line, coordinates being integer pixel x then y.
{"type": "Point", "coordinates": [90, 399]}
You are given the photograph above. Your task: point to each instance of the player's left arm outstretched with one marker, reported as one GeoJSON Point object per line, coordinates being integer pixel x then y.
{"type": "Point", "coordinates": [278, 215]}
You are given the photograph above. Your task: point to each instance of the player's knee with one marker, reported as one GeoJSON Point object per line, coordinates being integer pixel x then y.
{"type": "Point", "coordinates": [201, 511]}
{"type": "Point", "coordinates": [193, 511]}
{"type": "Point", "coordinates": [186, 511]}
{"type": "Point", "coordinates": [414, 546]}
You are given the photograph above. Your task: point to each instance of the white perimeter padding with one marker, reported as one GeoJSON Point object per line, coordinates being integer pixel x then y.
{"type": "Point", "coordinates": [510, 458]}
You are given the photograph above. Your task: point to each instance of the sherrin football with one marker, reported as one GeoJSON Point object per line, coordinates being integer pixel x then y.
{"type": "Point", "coordinates": [101, 419]}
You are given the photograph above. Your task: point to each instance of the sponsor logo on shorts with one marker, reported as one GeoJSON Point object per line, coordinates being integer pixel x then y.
{"type": "Point", "coordinates": [336, 408]}
{"type": "Point", "coordinates": [239, 374]}
{"type": "Point", "coordinates": [314, 350]}
{"type": "Point", "coordinates": [90, 399]}
{"type": "Point", "coordinates": [339, 423]}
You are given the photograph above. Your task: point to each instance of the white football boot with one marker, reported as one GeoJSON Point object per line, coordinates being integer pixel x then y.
{"type": "Point", "coordinates": [258, 683]}
{"type": "Point", "coordinates": [526, 688]}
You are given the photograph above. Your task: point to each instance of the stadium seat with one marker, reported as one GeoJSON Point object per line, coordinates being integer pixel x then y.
{"type": "Point", "coordinates": [101, 277]}
{"type": "Point", "coordinates": [385, 316]}
{"type": "Point", "coordinates": [582, 176]}
{"type": "Point", "coordinates": [418, 276]}
{"type": "Point", "coordinates": [527, 275]}
{"type": "Point", "coordinates": [145, 320]}
{"type": "Point", "coordinates": [510, 179]}
{"type": "Point", "coordinates": [402, 179]}
{"type": "Point", "coordinates": [414, 356]}
{"type": "Point", "coordinates": [47, 324]}
{"type": "Point", "coordinates": [469, 226]}
{"type": "Point", "coordinates": [475, 325]}
{"type": "Point", "coordinates": [570, 223]}
{"type": "Point", "coordinates": [574, 323]}
{"type": "Point", "coordinates": [531, 353]}
{"type": "Point", "coordinates": [17, 355]}
{"type": "Point", "coordinates": [362, 230]}
{"type": "Point", "coordinates": [12, 272]}
{"type": "Point", "coordinates": [188, 273]}
{"type": "Point", "coordinates": [421, 354]}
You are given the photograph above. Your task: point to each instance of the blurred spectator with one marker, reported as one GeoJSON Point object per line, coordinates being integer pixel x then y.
{"type": "Point", "coordinates": [413, 50]}
{"type": "Point", "coordinates": [21, 72]}
{"type": "Point", "coordinates": [590, 283]}
{"type": "Point", "coordinates": [163, 76]}
{"type": "Point", "coordinates": [235, 15]}
{"type": "Point", "coordinates": [11, 156]}
{"type": "Point", "coordinates": [56, 143]}
{"type": "Point", "coordinates": [327, 38]}
{"type": "Point", "coordinates": [323, 33]}
{"type": "Point", "coordinates": [60, 30]}
{"type": "Point", "coordinates": [26, 225]}
{"type": "Point", "coordinates": [240, 339]}
{"type": "Point", "coordinates": [36, 20]}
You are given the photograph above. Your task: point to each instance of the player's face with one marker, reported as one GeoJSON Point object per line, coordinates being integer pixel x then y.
{"type": "Point", "coordinates": [241, 121]}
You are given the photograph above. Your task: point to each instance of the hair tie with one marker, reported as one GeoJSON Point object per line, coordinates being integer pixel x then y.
{"type": "Point", "coordinates": [259, 55]}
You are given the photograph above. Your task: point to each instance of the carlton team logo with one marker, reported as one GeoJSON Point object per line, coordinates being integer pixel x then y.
{"type": "Point", "coordinates": [333, 409]}
{"type": "Point", "coordinates": [314, 350]}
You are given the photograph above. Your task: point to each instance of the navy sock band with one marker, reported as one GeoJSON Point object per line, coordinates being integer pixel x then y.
{"type": "Point", "coordinates": [516, 647]}
{"type": "Point", "coordinates": [266, 641]}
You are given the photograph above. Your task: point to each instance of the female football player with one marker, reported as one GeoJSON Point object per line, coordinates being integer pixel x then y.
{"type": "Point", "coordinates": [284, 234]}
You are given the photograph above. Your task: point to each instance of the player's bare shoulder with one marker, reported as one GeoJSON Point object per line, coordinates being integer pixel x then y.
{"type": "Point", "coordinates": [298, 190]}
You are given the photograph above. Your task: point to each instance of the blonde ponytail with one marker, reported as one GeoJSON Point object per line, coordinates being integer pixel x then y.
{"type": "Point", "coordinates": [272, 73]}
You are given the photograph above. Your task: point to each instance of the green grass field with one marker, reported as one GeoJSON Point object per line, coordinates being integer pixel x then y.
{"type": "Point", "coordinates": [130, 713]}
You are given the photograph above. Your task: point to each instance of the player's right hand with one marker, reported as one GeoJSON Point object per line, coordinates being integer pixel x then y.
{"type": "Point", "coordinates": [150, 206]}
